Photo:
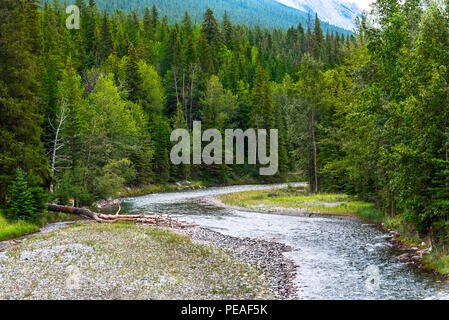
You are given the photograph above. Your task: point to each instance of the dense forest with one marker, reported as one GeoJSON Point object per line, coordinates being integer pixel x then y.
{"type": "Point", "coordinates": [86, 112]}
{"type": "Point", "coordinates": [267, 13]}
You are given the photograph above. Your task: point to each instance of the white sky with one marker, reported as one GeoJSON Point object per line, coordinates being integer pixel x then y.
{"type": "Point", "coordinates": [364, 4]}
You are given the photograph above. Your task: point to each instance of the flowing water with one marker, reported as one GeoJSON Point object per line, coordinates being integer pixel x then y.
{"type": "Point", "coordinates": [337, 257]}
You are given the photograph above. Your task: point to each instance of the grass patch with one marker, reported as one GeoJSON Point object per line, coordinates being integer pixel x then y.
{"type": "Point", "coordinates": [299, 199]}
{"type": "Point", "coordinates": [369, 212]}
{"type": "Point", "coordinates": [167, 237]}
{"type": "Point", "coordinates": [12, 230]}
{"type": "Point", "coordinates": [292, 198]}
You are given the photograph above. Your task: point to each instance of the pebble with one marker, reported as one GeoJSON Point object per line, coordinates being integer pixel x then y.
{"type": "Point", "coordinates": [267, 254]}
{"type": "Point", "coordinates": [98, 261]}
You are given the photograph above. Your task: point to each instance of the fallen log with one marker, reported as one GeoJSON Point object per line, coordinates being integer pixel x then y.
{"type": "Point", "coordinates": [159, 221]}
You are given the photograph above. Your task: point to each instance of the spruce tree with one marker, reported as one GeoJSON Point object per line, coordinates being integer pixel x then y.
{"type": "Point", "coordinates": [210, 28]}
{"type": "Point", "coordinates": [132, 74]}
{"type": "Point", "coordinates": [20, 131]}
{"type": "Point", "coordinates": [148, 27]}
{"type": "Point", "coordinates": [154, 17]}
{"type": "Point", "coordinates": [205, 55]}
{"type": "Point", "coordinates": [25, 203]}
{"type": "Point", "coordinates": [105, 38]}
{"type": "Point", "coordinates": [318, 39]}
{"type": "Point", "coordinates": [262, 115]}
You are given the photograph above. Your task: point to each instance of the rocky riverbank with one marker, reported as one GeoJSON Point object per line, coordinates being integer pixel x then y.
{"type": "Point", "coordinates": [413, 255]}
{"type": "Point", "coordinates": [126, 261]}
{"type": "Point", "coordinates": [267, 255]}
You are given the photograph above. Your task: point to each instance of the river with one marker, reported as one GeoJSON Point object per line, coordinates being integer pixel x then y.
{"type": "Point", "coordinates": [337, 257]}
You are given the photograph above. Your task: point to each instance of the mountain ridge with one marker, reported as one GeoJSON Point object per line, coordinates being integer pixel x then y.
{"type": "Point", "coordinates": [265, 13]}
{"type": "Point", "coordinates": [336, 12]}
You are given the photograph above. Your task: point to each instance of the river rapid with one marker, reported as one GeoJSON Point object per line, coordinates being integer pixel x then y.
{"type": "Point", "coordinates": [337, 258]}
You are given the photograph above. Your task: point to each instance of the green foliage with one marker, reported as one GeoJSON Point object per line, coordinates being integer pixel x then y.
{"type": "Point", "coordinates": [218, 105]}
{"type": "Point", "coordinates": [70, 190]}
{"type": "Point", "coordinates": [10, 230]}
{"type": "Point", "coordinates": [20, 101]}
{"type": "Point", "coordinates": [363, 115]}
{"type": "Point", "coordinates": [96, 99]}
{"type": "Point", "coordinates": [152, 96]}
{"type": "Point", "coordinates": [25, 203]}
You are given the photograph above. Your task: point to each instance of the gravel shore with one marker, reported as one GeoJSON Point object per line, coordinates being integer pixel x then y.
{"type": "Point", "coordinates": [125, 261]}
{"type": "Point", "coordinates": [266, 255]}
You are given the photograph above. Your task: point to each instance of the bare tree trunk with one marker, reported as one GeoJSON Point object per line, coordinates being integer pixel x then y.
{"type": "Point", "coordinates": [161, 221]}
{"type": "Point", "coordinates": [56, 143]}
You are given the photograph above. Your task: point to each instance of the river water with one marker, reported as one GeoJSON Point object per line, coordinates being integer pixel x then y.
{"type": "Point", "coordinates": [337, 257]}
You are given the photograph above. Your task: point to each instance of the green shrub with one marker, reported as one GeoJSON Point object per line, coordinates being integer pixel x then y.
{"type": "Point", "coordinates": [25, 203]}
{"type": "Point", "coordinates": [71, 190]}
{"type": "Point", "coordinates": [395, 223]}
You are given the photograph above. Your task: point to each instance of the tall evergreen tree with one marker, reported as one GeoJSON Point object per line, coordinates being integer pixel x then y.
{"type": "Point", "coordinates": [20, 132]}
{"type": "Point", "coordinates": [210, 28]}
{"type": "Point", "coordinates": [105, 38]}
{"type": "Point", "coordinates": [318, 39]}
{"type": "Point", "coordinates": [132, 74]}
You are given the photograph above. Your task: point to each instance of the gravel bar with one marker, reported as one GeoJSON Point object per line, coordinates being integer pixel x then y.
{"type": "Point", "coordinates": [267, 255]}
{"type": "Point", "coordinates": [126, 261]}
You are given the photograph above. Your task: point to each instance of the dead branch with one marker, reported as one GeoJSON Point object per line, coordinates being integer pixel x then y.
{"type": "Point", "coordinates": [159, 221]}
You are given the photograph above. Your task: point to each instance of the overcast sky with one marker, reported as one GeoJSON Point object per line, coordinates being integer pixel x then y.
{"type": "Point", "coordinates": [364, 4]}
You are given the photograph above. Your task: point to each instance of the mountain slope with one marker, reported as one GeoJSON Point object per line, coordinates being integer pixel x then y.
{"type": "Point", "coordinates": [266, 13]}
{"type": "Point", "coordinates": [336, 12]}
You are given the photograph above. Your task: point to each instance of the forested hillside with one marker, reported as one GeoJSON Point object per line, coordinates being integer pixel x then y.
{"type": "Point", "coordinates": [99, 103]}
{"type": "Point", "coordinates": [86, 112]}
{"type": "Point", "coordinates": [266, 13]}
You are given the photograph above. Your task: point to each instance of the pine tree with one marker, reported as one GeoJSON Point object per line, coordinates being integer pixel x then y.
{"type": "Point", "coordinates": [205, 55]}
{"type": "Point", "coordinates": [148, 26]}
{"type": "Point", "coordinates": [132, 74]}
{"type": "Point", "coordinates": [160, 131]}
{"type": "Point", "coordinates": [20, 131]}
{"type": "Point", "coordinates": [105, 38]}
{"type": "Point", "coordinates": [154, 17]}
{"type": "Point", "coordinates": [262, 115]}
{"type": "Point", "coordinates": [210, 28]}
{"type": "Point", "coordinates": [70, 92]}
{"type": "Point", "coordinates": [229, 35]}
{"type": "Point", "coordinates": [25, 203]}
{"type": "Point", "coordinates": [20, 206]}
{"type": "Point", "coordinates": [88, 26]}
{"type": "Point", "coordinates": [181, 171]}
{"type": "Point", "coordinates": [318, 39]}
{"type": "Point", "coordinates": [188, 47]}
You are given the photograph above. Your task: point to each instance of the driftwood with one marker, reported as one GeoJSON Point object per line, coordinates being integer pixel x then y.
{"type": "Point", "coordinates": [159, 221]}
